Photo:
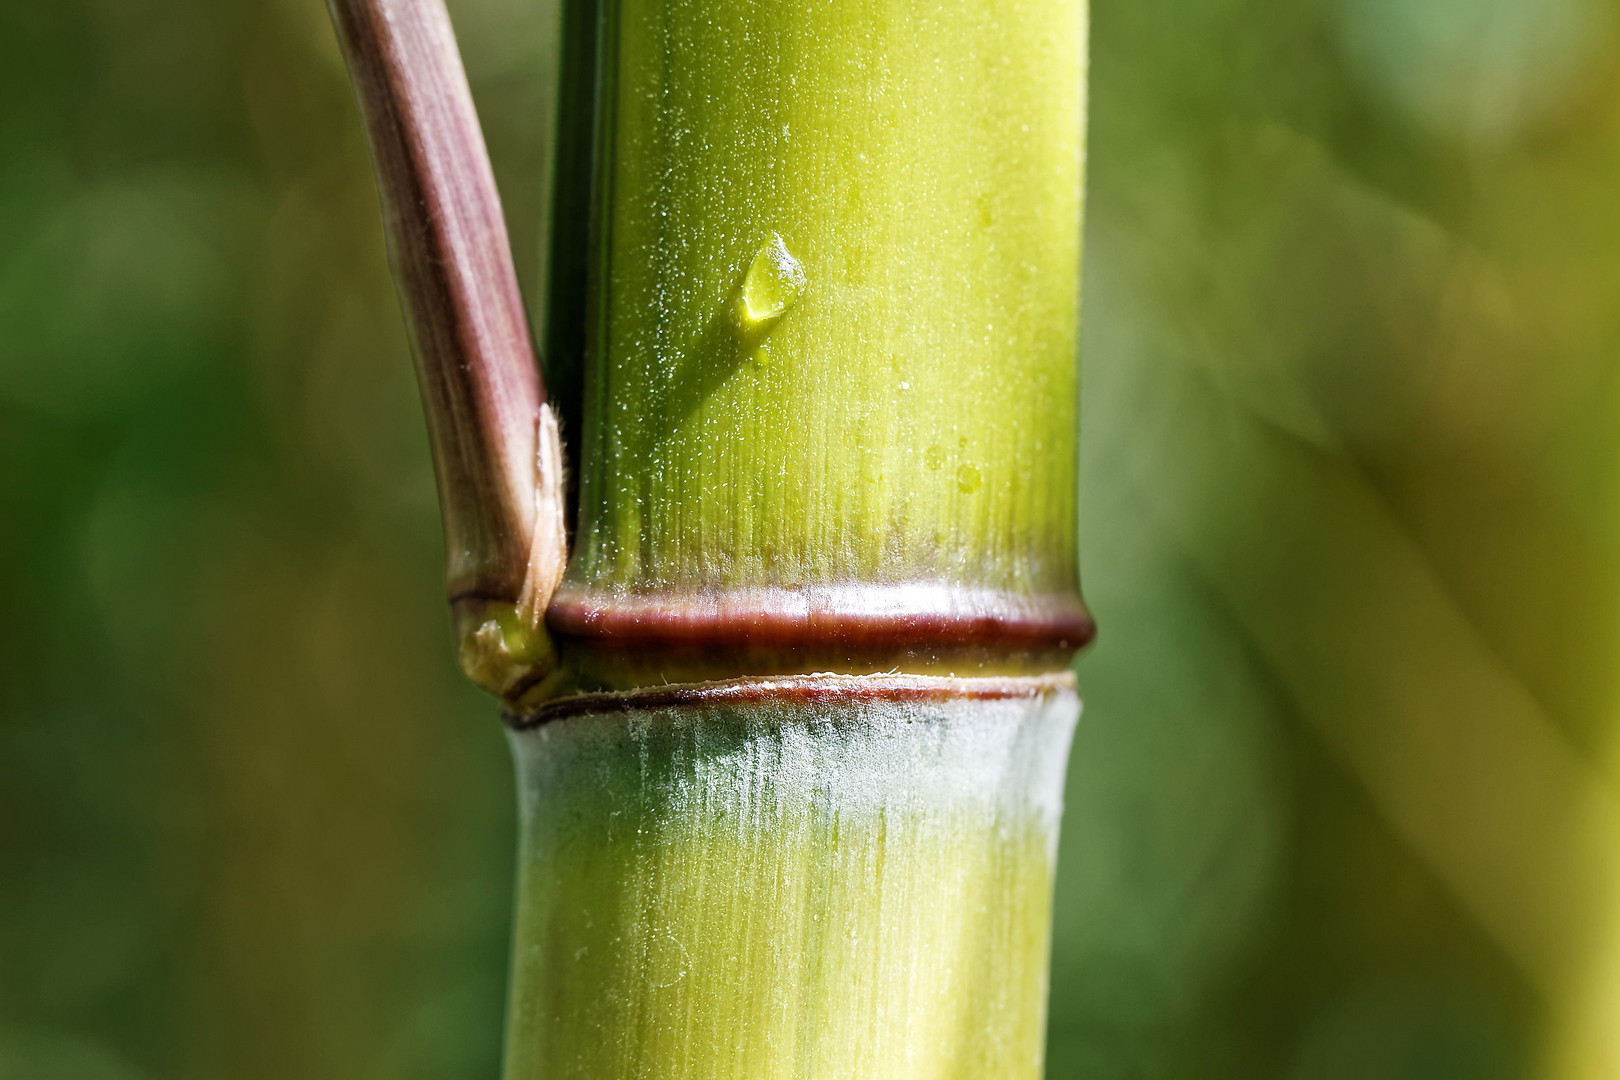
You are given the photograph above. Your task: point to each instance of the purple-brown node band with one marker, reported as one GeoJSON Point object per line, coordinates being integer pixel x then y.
{"type": "Point", "coordinates": [812, 690]}
{"type": "Point", "coordinates": [626, 639]}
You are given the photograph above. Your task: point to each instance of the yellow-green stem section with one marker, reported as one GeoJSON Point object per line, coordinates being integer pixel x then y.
{"type": "Point", "coordinates": [907, 411]}
{"type": "Point", "coordinates": [856, 890]}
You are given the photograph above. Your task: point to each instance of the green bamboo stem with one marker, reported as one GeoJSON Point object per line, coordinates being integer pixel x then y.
{"type": "Point", "coordinates": [880, 470]}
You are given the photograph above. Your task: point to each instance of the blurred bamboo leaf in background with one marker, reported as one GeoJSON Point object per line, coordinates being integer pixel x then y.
{"type": "Point", "coordinates": [249, 827]}
{"type": "Point", "coordinates": [1350, 367]}
{"type": "Point", "coordinates": [1344, 800]}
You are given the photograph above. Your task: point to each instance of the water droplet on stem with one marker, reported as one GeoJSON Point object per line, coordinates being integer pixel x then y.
{"type": "Point", "coordinates": [773, 284]}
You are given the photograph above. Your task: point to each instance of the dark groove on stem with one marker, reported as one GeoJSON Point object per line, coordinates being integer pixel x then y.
{"type": "Point", "coordinates": [572, 212]}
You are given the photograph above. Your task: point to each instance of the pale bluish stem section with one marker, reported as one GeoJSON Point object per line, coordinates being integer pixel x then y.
{"type": "Point", "coordinates": [783, 889]}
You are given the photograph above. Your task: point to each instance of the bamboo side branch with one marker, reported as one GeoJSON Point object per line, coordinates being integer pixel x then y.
{"type": "Point", "coordinates": [495, 446]}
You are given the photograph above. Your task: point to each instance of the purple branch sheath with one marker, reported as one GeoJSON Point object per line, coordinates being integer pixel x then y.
{"type": "Point", "coordinates": [453, 265]}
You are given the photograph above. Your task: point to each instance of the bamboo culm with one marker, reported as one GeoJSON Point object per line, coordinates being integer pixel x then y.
{"type": "Point", "coordinates": [791, 723]}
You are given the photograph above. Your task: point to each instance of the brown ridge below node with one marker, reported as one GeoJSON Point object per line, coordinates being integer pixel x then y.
{"type": "Point", "coordinates": [818, 689]}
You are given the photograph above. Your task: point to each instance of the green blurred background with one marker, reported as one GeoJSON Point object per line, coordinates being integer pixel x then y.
{"type": "Point", "coordinates": [1346, 799]}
